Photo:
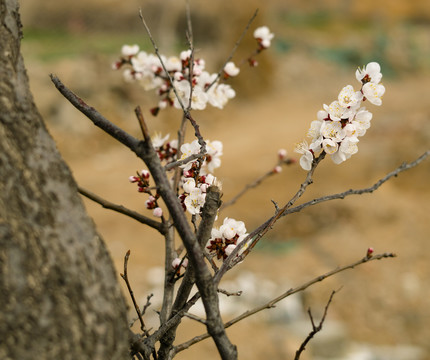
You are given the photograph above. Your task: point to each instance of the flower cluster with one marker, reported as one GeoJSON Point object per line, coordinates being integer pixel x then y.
{"type": "Point", "coordinates": [196, 175]}
{"type": "Point", "coordinates": [340, 124]}
{"type": "Point", "coordinates": [142, 181]}
{"type": "Point", "coordinates": [225, 239]}
{"type": "Point", "coordinates": [166, 150]}
{"type": "Point", "coordinates": [204, 87]}
{"type": "Point", "coordinates": [194, 86]}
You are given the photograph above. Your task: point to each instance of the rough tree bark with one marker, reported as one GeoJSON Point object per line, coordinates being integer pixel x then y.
{"type": "Point", "coordinates": [59, 294]}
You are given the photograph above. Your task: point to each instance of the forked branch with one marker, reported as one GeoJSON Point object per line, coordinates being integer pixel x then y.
{"type": "Point", "coordinates": [315, 328]}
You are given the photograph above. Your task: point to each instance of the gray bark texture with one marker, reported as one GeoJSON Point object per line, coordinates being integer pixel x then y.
{"type": "Point", "coordinates": [59, 294]}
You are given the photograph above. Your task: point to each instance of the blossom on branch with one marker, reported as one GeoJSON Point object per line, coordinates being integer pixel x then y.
{"type": "Point", "coordinates": [195, 201]}
{"type": "Point", "coordinates": [340, 124]}
{"type": "Point", "coordinates": [263, 36]}
{"type": "Point", "coordinates": [230, 69]}
{"type": "Point", "coordinates": [225, 239]}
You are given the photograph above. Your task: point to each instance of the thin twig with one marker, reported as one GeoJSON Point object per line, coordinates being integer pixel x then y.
{"type": "Point", "coordinates": [257, 182]}
{"type": "Point", "coordinates": [161, 61]}
{"type": "Point", "coordinates": [123, 210]}
{"type": "Point", "coordinates": [236, 45]}
{"type": "Point", "coordinates": [374, 187]}
{"type": "Point", "coordinates": [133, 299]}
{"type": "Point", "coordinates": [228, 293]}
{"type": "Point", "coordinates": [251, 240]}
{"type": "Point", "coordinates": [290, 292]}
{"type": "Point", "coordinates": [98, 119]}
{"type": "Point", "coordinates": [142, 123]}
{"type": "Point", "coordinates": [148, 303]}
{"type": "Point", "coordinates": [247, 187]}
{"type": "Point", "coordinates": [195, 318]}
{"type": "Point", "coordinates": [315, 328]}
{"type": "Point", "coordinates": [190, 39]}
{"type": "Point", "coordinates": [192, 157]}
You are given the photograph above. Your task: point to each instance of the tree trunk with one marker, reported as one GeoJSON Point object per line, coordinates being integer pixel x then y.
{"type": "Point", "coordinates": [59, 294]}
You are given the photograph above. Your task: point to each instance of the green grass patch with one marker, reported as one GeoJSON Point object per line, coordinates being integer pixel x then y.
{"type": "Point", "coordinates": [49, 45]}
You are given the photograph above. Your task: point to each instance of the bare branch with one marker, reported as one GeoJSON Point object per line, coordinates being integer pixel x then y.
{"type": "Point", "coordinates": [148, 303]}
{"type": "Point", "coordinates": [169, 273]}
{"type": "Point", "coordinates": [191, 47]}
{"type": "Point", "coordinates": [209, 213]}
{"type": "Point", "coordinates": [315, 329]}
{"type": "Point", "coordinates": [192, 157]}
{"type": "Point", "coordinates": [142, 123]}
{"type": "Point", "coordinates": [251, 240]}
{"type": "Point", "coordinates": [97, 119]}
{"type": "Point", "coordinates": [290, 292]}
{"type": "Point", "coordinates": [161, 61]}
{"type": "Point", "coordinates": [125, 277]}
{"type": "Point", "coordinates": [236, 45]}
{"type": "Point", "coordinates": [204, 280]}
{"type": "Point", "coordinates": [123, 210]}
{"type": "Point", "coordinates": [374, 187]}
{"type": "Point", "coordinates": [228, 293]}
{"type": "Point", "coordinates": [196, 318]}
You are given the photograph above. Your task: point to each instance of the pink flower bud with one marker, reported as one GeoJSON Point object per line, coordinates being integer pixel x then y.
{"type": "Point", "coordinates": [277, 169]}
{"type": "Point", "coordinates": [116, 65]}
{"type": "Point", "coordinates": [282, 153]}
{"type": "Point", "coordinates": [133, 179]}
{"type": "Point", "coordinates": [158, 212]}
{"type": "Point", "coordinates": [369, 252]}
{"type": "Point", "coordinates": [176, 262]}
{"type": "Point", "coordinates": [145, 174]}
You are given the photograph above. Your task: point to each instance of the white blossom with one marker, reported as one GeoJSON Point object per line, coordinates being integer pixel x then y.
{"type": "Point", "coordinates": [214, 150]}
{"type": "Point", "coordinates": [219, 94]}
{"type": "Point", "coordinates": [373, 92]}
{"type": "Point", "coordinates": [332, 130]}
{"type": "Point", "coordinates": [231, 69]}
{"type": "Point", "coordinates": [198, 98]}
{"type": "Point", "coordinates": [329, 146]}
{"type": "Point", "coordinates": [195, 201]}
{"type": "Point", "coordinates": [335, 110]}
{"type": "Point", "coordinates": [349, 97]}
{"type": "Point", "coordinates": [231, 227]}
{"type": "Point", "coordinates": [129, 50]}
{"type": "Point", "coordinates": [307, 158]}
{"type": "Point", "coordinates": [187, 150]}
{"type": "Point", "coordinates": [158, 141]}
{"type": "Point", "coordinates": [264, 36]}
{"type": "Point", "coordinates": [225, 239]}
{"type": "Point", "coordinates": [370, 73]}
{"type": "Point", "coordinates": [341, 123]}
{"type": "Point", "coordinates": [189, 185]}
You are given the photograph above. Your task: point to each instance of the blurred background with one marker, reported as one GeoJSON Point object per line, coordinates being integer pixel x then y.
{"type": "Point", "coordinates": [383, 309]}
